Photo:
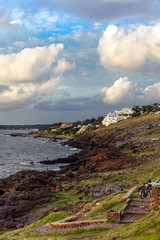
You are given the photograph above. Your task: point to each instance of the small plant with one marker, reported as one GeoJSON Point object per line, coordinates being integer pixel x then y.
{"type": "Point", "coordinates": [155, 208]}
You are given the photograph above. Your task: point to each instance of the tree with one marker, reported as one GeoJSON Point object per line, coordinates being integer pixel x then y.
{"type": "Point", "coordinates": [136, 111]}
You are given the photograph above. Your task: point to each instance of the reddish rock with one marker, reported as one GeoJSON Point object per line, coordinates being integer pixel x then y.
{"type": "Point", "coordinates": [19, 226]}
{"type": "Point", "coordinates": [21, 191]}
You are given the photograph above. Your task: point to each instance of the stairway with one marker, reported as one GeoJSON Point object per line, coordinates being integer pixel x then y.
{"type": "Point", "coordinates": [135, 210]}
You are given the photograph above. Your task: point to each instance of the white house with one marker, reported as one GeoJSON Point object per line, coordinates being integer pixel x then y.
{"type": "Point", "coordinates": [117, 116]}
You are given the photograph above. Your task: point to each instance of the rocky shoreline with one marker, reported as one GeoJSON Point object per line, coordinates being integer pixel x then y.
{"type": "Point", "coordinates": [54, 137]}
{"type": "Point", "coordinates": [119, 147]}
{"type": "Point", "coordinates": [104, 154]}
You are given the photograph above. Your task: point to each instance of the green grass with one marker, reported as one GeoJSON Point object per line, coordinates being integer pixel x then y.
{"type": "Point", "coordinates": [67, 197]}
{"type": "Point", "coordinates": [126, 150]}
{"type": "Point", "coordinates": [52, 217]}
{"type": "Point", "coordinates": [138, 230]}
{"type": "Point", "coordinates": [111, 202]}
{"type": "Point", "coordinates": [89, 182]}
{"type": "Point", "coordinates": [63, 235]}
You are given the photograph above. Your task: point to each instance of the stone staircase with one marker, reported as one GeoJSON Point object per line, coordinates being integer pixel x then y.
{"type": "Point", "coordinates": [135, 210]}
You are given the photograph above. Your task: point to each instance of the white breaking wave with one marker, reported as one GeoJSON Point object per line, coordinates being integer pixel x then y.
{"type": "Point", "coordinates": [24, 163]}
{"type": "Point", "coordinates": [73, 149]}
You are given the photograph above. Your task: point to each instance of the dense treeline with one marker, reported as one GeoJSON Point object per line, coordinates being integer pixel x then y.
{"type": "Point", "coordinates": [145, 109]}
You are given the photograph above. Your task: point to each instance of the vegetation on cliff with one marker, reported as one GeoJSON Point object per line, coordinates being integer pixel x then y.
{"type": "Point", "coordinates": [124, 155]}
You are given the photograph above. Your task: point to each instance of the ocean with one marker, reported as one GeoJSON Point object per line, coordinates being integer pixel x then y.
{"type": "Point", "coordinates": [24, 153]}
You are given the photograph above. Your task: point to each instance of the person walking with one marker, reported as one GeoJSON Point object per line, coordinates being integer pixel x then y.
{"type": "Point", "coordinates": [149, 188]}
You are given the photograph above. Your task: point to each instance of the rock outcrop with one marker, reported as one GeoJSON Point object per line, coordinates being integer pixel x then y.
{"type": "Point", "coordinates": [21, 192]}
{"type": "Point", "coordinates": [100, 190]}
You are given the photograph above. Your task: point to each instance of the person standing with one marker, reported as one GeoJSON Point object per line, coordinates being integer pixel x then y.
{"type": "Point", "coordinates": [149, 188]}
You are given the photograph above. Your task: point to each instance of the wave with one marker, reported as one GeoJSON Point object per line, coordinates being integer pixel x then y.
{"type": "Point", "coordinates": [73, 149]}
{"type": "Point", "coordinates": [42, 141]}
{"type": "Point", "coordinates": [26, 164]}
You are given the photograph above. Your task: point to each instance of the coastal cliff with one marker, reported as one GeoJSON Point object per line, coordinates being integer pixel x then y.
{"type": "Point", "coordinates": [125, 145]}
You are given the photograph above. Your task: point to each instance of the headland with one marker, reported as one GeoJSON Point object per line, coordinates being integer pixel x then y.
{"type": "Point", "coordinates": [119, 156]}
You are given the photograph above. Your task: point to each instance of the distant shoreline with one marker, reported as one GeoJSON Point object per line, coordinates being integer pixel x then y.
{"type": "Point", "coordinates": [39, 136]}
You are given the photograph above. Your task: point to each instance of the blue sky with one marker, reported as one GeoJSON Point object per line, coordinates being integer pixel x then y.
{"type": "Point", "coordinates": [67, 60]}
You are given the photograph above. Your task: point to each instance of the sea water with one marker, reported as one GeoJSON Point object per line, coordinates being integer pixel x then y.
{"type": "Point", "coordinates": [24, 153]}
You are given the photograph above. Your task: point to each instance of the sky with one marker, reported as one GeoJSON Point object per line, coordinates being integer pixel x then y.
{"type": "Point", "coordinates": [68, 60]}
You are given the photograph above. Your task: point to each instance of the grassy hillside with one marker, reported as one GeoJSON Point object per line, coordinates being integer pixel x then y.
{"type": "Point", "coordinates": [73, 198]}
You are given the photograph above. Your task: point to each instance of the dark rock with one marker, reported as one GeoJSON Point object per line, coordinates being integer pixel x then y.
{"type": "Point", "coordinates": [9, 225]}
{"type": "Point", "coordinates": [19, 226]}
{"type": "Point", "coordinates": [23, 206]}
{"type": "Point", "coordinates": [1, 192]}
{"type": "Point", "coordinates": [43, 201]}
{"type": "Point", "coordinates": [110, 176]}
{"type": "Point", "coordinates": [6, 211]}
{"type": "Point", "coordinates": [22, 191]}
{"type": "Point", "coordinates": [70, 174]}
{"type": "Point", "coordinates": [2, 202]}
{"type": "Point", "coordinates": [100, 190]}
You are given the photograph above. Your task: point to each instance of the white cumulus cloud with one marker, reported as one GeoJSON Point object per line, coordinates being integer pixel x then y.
{"type": "Point", "coordinates": [133, 49]}
{"type": "Point", "coordinates": [152, 93]}
{"type": "Point", "coordinates": [120, 92]}
{"type": "Point", "coordinates": [24, 94]}
{"type": "Point", "coordinates": [63, 66]}
{"type": "Point", "coordinates": [31, 64]}
{"type": "Point", "coordinates": [123, 91]}
{"type": "Point", "coordinates": [28, 76]}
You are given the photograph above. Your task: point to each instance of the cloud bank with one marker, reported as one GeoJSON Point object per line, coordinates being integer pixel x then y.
{"type": "Point", "coordinates": [127, 93]}
{"type": "Point", "coordinates": [103, 10]}
{"type": "Point", "coordinates": [31, 64]}
{"type": "Point", "coordinates": [132, 49]}
{"type": "Point", "coordinates": [28, 76]}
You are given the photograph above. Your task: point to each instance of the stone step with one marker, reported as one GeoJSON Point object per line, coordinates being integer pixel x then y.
{"type": "Point", "coordinates": [138, 204]}
{"type": "Point", "coordinates": [141, 202]}
{"type": "Point", "coordinates": [127, 218]}
{"type": "Point", "coordinates": [137, 210]}
{"type": "Point", "coordinates": [135, 213]}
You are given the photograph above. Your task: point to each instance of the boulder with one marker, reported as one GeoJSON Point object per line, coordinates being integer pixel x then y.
{"type": "Point", "coordinates": [100, 190]}
{"type": "Point", "coordinates": [1, 202]}
{"type": "Point", "coordinates": [7, 212]}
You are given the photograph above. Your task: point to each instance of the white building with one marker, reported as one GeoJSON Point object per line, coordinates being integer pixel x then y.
{"type": "Point", "coordinates": [117, 116]}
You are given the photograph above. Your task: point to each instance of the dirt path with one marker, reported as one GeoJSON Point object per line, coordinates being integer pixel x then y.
{"type": "Point", "coordinates": [47, 228]}
{"type": "Point", "coordinates": [90, 237]}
